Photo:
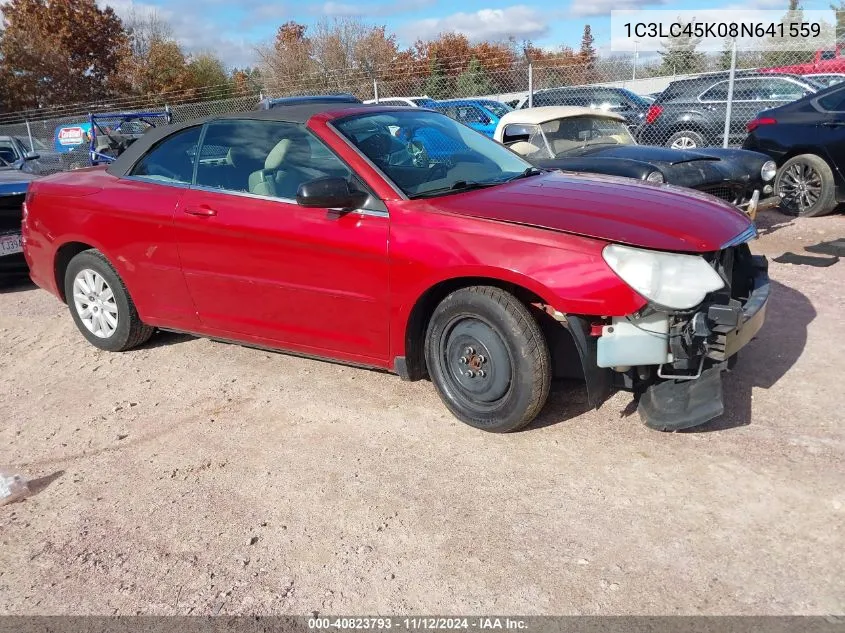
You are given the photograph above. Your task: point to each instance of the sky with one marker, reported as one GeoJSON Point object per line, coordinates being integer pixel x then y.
{"type": "Point", "coordinates": [234, 28]}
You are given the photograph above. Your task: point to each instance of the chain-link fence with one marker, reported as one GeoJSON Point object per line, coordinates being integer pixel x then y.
{"type": "Point", "coordinates": [661, 100]}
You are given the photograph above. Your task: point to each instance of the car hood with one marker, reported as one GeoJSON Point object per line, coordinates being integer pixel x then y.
{"type": "Point", "coordinates": [660, 217]}
{"type": "Point", "coordinates": [668, 156]}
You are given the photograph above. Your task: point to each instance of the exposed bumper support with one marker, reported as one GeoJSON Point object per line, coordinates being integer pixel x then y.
{"type": "Point", "coordinates": [672, 405]}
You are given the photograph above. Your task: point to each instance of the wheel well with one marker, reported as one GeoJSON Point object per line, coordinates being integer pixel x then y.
{"type": "Point", "coordinates": [560, 341]}
{"type": "Point", "coordinates": [66, 253]}
{"type": "Point", "coordinates": [804, 150]}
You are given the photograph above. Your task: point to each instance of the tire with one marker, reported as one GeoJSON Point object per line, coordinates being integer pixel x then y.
{"type": "Point", "coordinates": [490, 333]}
{"type": "Point", "coordinates": [818, 195]}
{"type": "Point", "coordinates": [685, 139]}
{"type": "Point", "coordinates": [111, 321]}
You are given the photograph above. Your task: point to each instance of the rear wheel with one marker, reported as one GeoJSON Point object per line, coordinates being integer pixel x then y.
{"type": "Point", "coordinates": [685, 139]}
{"type": "Point", "coordinates": [806, 187]}
{"type": "Point", "coordinates": [101, 306]}
{"type": "Point", "coordinates": [488, 359]}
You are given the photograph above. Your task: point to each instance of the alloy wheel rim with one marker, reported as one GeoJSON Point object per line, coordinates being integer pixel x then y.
{"type": "Point", "coordinates": [95, 303]}
{"type": "Point", "coordinates": [684, 142]}
{"type": "Point", "coordinates": [800, 186]}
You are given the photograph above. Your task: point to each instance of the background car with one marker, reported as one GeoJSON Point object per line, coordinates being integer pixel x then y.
{"type": "Point", "coordinates": [584, 140]}
{"type": "Point", "coordinates": [269, 103]}
{"type": "Point", "coordinates": [410, 102]}
{"type": "Point", "coordinates": [691, 112]}
{"type": "Point", "coordinates": [826, 80]}
{"type": "Point", "coordinates": [13, 187]}
{"type": "Point", "coordinates": [807, 140]}
{"type": "Point", "coordinates": [620, 100]}
{"type": "Point", "coordinates": [482, 115]}
{"type": "Point", "coordinates": [39, 160]}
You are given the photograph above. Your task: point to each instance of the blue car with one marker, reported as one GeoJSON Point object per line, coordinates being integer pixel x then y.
{"type": "Point", "coordinates": [482, 115]}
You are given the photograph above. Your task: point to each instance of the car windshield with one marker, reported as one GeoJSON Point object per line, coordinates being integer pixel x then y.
{"type": "Point", "coordinates": [36, 144]}
{"type": "Point", "coordinates": [575, 135]}
{"type": "Point", "coordinates": [426, 153]}
{"type": "Point", "coordinates": [499, 109]}
{"type": "Point", "coordinates": [641, 101]}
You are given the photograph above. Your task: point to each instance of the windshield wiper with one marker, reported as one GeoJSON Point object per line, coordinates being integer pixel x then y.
{"type": "Point", "coordinates": [457, 187]}
{"type": "Point", "coordinates": [529, 171]}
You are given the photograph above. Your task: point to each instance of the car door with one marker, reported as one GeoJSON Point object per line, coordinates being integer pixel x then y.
{"type": "Point", "coordinates": [259, 267]}
{"type": "Point", "coordinates": [137, 218]}
{"type": "Point", "coordinates": [830, 129]}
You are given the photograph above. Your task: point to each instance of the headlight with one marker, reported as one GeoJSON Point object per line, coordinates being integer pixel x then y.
{"type": "Point", "coordinates": [667, 279]}
{"type": "Point", "coordinates": [655, 176]}
{"type": "Point", "coordinates": [769, 170]}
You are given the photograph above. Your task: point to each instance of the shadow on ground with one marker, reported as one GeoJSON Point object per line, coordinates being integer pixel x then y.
{"type": "Point", "coordinates": [764, 361]}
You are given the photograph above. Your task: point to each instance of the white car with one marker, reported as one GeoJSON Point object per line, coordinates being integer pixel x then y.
{"type": "Point", "coordinates": [410, 102]}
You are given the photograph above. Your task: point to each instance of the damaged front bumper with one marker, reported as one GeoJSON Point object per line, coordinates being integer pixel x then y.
{"type": "Point", "coordinates": [675, 361]}
{"type": "Point", "coordinates": [757, 203]}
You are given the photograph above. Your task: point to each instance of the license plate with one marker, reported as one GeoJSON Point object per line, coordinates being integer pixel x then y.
{"type": "Point", "coordinates": [10, 244]}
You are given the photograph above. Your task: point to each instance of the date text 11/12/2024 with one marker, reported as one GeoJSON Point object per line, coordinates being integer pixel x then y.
{"type": "Point", "coordinates": [418, 623]}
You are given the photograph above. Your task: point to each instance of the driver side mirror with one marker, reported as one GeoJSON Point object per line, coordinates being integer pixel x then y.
{"type": "Point", "coordinates": [330, 192]}
{"type": "Point", "coordinates": [31, 156]}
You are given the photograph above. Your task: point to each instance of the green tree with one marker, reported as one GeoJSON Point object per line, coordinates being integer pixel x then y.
{"type": "Point", "coordinates": [474, 81]}
{"type": "Point", "coordinates": [679, 55]}
{"type": "Point", "coordinates": [209, 76]}
{"type": "Point", "coordinates": [587, 55]}
{"type": "Point", "coordinates": [840, 21]}
{"type": "Point", "coordinates": [437, 84]}
{"type": "Point", "coordinates": [726, 54]}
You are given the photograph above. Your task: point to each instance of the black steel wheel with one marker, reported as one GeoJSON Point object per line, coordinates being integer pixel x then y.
{"type": "Point", "coordinates": [806, 187]}
{"type": "Point", "coordinates": [488, 359]}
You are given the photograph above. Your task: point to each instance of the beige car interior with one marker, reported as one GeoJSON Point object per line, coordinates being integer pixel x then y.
{"type": "Point", "coordinates": [285, 168]}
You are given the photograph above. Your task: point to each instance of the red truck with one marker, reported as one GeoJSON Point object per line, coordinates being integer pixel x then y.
{"type": "Point", "coordinates": [825, 61]}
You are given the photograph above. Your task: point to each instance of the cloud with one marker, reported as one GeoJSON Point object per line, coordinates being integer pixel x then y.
{"type": "Point", "coordinates": [586, 8]}
{"type": "Point", "coordinates": [195, 34]}
{"type": "Point", "coordinates": [342, 10]}
{"type": "Point", "coordinates": [517, 21]}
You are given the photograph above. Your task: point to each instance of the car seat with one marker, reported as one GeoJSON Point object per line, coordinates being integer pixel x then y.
{"type": "Point", "coordinates": [285, 168]}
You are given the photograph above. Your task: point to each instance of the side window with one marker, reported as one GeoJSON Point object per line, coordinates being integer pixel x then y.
{"type": "Point", "coordinates": [828, 55]}
{"type": "Point", "coordinates": [834, 102]}
{"type": "Point", "coordinates": [268, 158]}
{"type": "Point", "coordinates": [471, 114]}
{"type": "Point", "coordinates": [780, 90]}
{"type": "Point", "coordinates": [172, 159]}
{"type": "Point", "coordinates": [516, 132]}
{"type": "Point", "coordinates": [719, 92]}
{"type": "Point", "coordinates": [7, 152]}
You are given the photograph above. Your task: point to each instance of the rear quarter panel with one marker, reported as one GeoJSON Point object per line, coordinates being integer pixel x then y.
{"type": "Point", "coordinates": [129, 221]}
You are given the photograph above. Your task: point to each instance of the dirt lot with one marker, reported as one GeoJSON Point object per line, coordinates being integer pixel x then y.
{"type": "Point", "coordinates": [196, 477]}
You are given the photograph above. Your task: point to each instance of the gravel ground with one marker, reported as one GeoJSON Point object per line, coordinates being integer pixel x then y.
{"type": "Point", "coordinates": [194, 477]}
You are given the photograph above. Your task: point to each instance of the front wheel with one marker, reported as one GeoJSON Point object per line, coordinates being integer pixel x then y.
{"type": "Point", "coordinates": [101, 306]}
{"type": "Point", "coordinates": [685, 139]}
{"type": "Point", "coordinates": [806, 187]}
{"type": "Point", "coordinates": [488, 359]}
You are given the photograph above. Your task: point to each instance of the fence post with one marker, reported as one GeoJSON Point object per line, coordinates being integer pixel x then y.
{"type": "Point", "coordinates": [29, 134]}
{"type": "Point", "coordinates": [730, 96]}
{"type": "Point", "coordinates": [530, 85]}
{"type": "Point", "coordinates": [375, 89]}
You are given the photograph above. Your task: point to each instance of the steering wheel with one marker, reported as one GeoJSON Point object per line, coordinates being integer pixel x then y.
{"type": "Point", "coordinates": [418, 153]}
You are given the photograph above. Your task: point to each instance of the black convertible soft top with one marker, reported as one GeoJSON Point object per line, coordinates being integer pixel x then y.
{"type": "Point", "coordinates": [299, 113]}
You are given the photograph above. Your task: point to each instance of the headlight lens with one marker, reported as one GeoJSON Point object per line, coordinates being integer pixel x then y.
{"type": "Point", "coordinates": [667, 279]}
{"type": "Point", "coordinates": [769, 170]}
{"type": "Point", "coordinates": [655, 176]}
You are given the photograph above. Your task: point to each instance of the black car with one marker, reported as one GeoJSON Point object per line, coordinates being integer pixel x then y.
{"type": "Point", "coordinates": [13, 186]}
{"type": "Point", "coordinates": [630, 105]}
{"type": "Point", "coordinates": [691, 112]}
{"type": "Point", "coordinates": [268, 104]}
{"type": "Point", "coordinates": [807, 140]}
{"type": "Point", "coordinates": [577, 139]}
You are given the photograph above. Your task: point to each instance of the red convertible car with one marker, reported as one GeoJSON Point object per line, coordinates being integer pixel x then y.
{"type": "Point", "coordinates": [319, 230]}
